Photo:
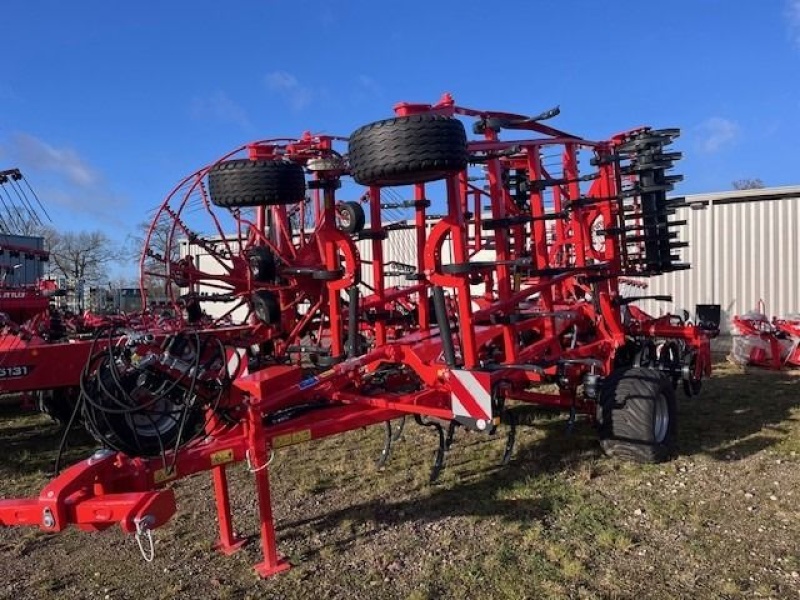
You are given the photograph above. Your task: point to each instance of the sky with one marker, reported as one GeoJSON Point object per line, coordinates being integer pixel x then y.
{"type": "Point", "coordinates": [105, 106]}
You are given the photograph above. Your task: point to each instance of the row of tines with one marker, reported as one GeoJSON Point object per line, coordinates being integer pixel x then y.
{"type": "Point", "coordinates": [651, 240]}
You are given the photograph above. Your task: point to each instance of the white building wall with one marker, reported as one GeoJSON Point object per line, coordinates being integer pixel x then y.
{"type": "Point", "coordinates": [744, 249]}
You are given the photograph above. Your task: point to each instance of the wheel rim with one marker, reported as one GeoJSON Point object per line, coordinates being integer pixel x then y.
{"type": "Point", "coordinates": [159, 421]}
{"type": "Point", "coordinates": [344, 219]}
{"type": "Point", "coordinates": [660, 419]}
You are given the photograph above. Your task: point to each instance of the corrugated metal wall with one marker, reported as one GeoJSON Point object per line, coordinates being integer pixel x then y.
{"type": "Point", "coordinates": [21, 268]}
{"type": "Point", "coordinates": [744, 248]}
{"type": "Point", "coordinates": [400, 246]}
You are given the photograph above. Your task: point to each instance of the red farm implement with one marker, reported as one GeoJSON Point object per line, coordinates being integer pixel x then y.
{"type": "Point", "coordinates": [761, 342]}
{"type": "Point", "coordinates": [20, 302]}
{"type": "Point", "coordinates": [511, 296]}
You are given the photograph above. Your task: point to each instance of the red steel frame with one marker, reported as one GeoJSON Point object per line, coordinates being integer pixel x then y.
{"type": "Point", "coordinates": [780, 335]}
{"type": "Point", "coordinates": [549, 311]}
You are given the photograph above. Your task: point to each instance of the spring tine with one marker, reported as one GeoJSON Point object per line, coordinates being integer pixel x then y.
{"type": "Point", "coordinates": [511, 437]}
{"type": "Point", "coordinates": [387, 445]}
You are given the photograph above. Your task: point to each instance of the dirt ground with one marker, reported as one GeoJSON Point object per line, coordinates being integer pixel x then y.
{"type": "Point", "coordinates": [561, 521]}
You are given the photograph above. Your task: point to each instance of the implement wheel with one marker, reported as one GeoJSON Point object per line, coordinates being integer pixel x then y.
{"type": "Point", "coordinates": [350, 217]}
{"type": "Point", "coordinates": [244, 182]}
{"type": "Point", "coordinates": [266, 307]}
{"type": "Point", "coordinates": [407, 150]}
{"type": "Point", "coordinates": [637, 416]}
{"type": "Point", "coordinates": [262, 264]}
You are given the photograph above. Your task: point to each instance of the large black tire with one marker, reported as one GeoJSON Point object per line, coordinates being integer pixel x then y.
{"type": "Point", "coordinates": [407, 150]}
{"type": "Point", "coordinates": [244, 182]}
{"type": "Point", "coordinates": [637, 416]}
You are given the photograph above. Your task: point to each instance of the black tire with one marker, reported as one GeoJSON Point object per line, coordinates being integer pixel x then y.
{"type": "Point", "coordinates": [262, 264]}
{"type": "Point", "coordinates": [350, 217]}
{"type": "Point", "coordinates": [58, 404]}
{"type": "Point", "coordinates": [637, 416]}
{"type": "Point", "coordinates": [147, 432]}
{"type": "Point", "coordinates": [193, 312]}
{"type": "Point", "coordinates": [407, 150]}
{"type": "Point", "coordinates": [244, 182]}
{"type": "Point", "coordinates": [362, 345]}
{"type": "Point", "coordinates": [691, 386]}
{"type": "Point", "coordinates": [266, 307]}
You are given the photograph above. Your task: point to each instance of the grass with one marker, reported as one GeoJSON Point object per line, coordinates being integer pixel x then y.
{"type": "Point", "coordinates": [561, 521]}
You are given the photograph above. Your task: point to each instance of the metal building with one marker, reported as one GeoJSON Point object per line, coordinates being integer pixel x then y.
{"type": "Point", "coordinates": [744, 248]}
{"type": "Point", "coordinates": [18, 266]}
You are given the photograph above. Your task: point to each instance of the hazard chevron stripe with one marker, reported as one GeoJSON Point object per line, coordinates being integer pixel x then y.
{"type": "Point", "coordinates": [470, 398]}
{"type": "Point", "coordinates": [237, 362]}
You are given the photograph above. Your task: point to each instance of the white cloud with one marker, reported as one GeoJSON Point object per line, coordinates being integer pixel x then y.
{"type": "Point", "coordinates": [219, 107]}
{"type": "Point", "coordinates": [63, 179]}
{"type": "Point", "coordinates": [66, 162]}
{"type": "Point", "coordinates": [715, 133]}
{"type": "Point", "coordinates": [286, 85]}
{"type": "Point", "coordinates": [792, 14]}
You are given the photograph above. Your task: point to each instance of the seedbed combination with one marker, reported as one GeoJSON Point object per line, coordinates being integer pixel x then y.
{"type": "Point", "coordinates": [298, 324]}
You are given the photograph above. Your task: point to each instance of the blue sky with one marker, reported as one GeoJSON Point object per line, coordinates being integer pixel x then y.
{"type": "Point", "coordinates": [106, 105]}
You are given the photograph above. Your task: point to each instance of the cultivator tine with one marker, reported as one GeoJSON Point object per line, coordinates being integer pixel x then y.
{"type": "Point", "coordinates": [398, 431]}
{"type": "Point", "coordinates": [451, 434]}
{"type": "Point", "coordinates": [511, 437]}
{"type": "Point", "coordinates": [647, 356]}
{"type": "Point", "coordinates": [391, 434]}
{"type": "Point", "coordinates": [388, 438]}
{"type": "Point", "coordinates": [439, 457]}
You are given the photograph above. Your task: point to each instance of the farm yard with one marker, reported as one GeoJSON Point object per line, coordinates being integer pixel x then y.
{"type": "Point", "coordinates": [560, 521]}
{"type": "Point", "coordinates": [506, 305]}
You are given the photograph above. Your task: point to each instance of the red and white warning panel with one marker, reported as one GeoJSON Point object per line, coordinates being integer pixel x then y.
{"type": "Point", "coordinates": [471, 397]}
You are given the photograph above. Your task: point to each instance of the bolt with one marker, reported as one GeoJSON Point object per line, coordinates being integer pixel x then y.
{"type": "Point", "coordinates": [48, 520]}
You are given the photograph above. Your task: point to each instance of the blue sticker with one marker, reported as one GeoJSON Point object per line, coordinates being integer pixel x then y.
{"type": "Point", "coordinates": [310, 382]}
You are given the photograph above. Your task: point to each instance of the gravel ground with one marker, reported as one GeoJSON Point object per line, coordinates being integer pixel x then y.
{"type": "Point", "coordinates": [720, 521]}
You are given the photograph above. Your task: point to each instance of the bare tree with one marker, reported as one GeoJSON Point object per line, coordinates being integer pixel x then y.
{"type": "Point", "coordinates": [161, 248]}
{"type": "Point", "coordinates": [82, 256]}
{"type": "Point", "coordinates": [748, 184]}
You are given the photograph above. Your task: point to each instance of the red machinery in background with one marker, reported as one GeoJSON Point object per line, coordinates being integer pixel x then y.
{"type": "Point", "coordinates": [297, 325]}
{"type": "Point", "coordinates": [762, 342]}
{"type": "Point", "coordinates": [18, 212]}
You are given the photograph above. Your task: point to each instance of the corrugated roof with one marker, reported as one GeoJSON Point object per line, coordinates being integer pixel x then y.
{"type": "Point", "coordinates": [755, 195]}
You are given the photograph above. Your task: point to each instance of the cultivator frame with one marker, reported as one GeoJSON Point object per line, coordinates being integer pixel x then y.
{"type": "Point", "coordinates": [331, 346]}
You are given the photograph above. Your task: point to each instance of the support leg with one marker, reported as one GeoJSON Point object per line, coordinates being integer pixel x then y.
{"type": "Point", "coordinates": [273, 563]}
{"type": "Point", "coordinates": [227, 543]}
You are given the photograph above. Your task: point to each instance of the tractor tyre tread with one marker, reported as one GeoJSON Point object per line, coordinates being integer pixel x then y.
{"type": "Point", "coordinates": [243, 183]}
{"type": "Point", "coordinates": [407, 150]}
{"type": "Point", "coordinates": [626, 415]}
